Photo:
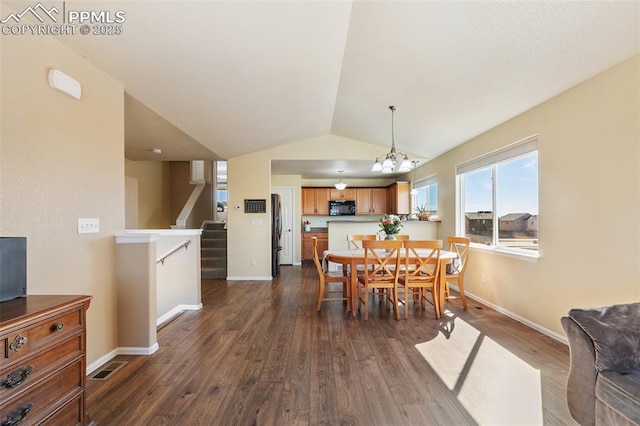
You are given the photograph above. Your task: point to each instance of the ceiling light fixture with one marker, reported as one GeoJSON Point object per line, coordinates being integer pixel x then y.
{"type": "Point", "coordinates": [414, 190]}
{"type": "Point", "coordinates": [393, 157]}
{"type": "Point", "coordinates": [340, 185]}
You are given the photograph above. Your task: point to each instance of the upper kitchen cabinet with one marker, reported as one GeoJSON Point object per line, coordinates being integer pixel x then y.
{"type": "Point", "coordinates": [371, 201]}
{"type": "Point", "coordinates": [315, 201]}
{"type": "Point", "coordinates": [399, 198]}
{"type": "Point", "coordinates": [344, 194]}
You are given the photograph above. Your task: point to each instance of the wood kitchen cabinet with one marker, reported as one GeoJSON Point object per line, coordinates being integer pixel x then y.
{"type": "Point", "coordinates": [307, 244]}
{"type": "Point", "coordinates": [42, 362]}
{"type": "Point", "coordinates": [344, 194]}
{"type": "Point", "coordinates": [315, 201]}
{"type": "Point", "coordinates": [399, 198]}
{"type": "Point", "coordinates": [371, 201]}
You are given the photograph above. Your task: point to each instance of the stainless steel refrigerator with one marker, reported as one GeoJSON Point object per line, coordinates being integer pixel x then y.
{"type": "Point", "coordinates": [276, 233]}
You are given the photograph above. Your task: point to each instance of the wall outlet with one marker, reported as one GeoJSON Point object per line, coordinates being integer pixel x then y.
{"type": "Point", "coordinates": [88, 225]}
{"type": "Point", "coordinates": [252, 262]}
{"type": "Point", "coordinates": [484, 278]}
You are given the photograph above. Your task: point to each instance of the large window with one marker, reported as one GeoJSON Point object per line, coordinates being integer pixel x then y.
{"type": "Point", "coordinates": [425, 194]}
{"type": "Point", "coordinates": [499, 198]}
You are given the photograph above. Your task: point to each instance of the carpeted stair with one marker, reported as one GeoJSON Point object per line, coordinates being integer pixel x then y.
{"type": "Point", "coordinates": [213, 256]}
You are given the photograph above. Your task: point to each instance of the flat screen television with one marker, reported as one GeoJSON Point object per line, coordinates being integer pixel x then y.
{"type": "Point", "coordinates": [13, 267]}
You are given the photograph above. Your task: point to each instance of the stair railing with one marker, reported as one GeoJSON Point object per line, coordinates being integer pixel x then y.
{"type": "Point", "coordinates": [162, 258]}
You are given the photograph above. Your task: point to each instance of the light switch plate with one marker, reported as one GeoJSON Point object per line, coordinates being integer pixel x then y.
{"type": "Point", "coordinates": [89, 225]}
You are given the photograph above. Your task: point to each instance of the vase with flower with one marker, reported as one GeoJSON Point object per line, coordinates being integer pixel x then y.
{"type": "Point", "coordinates": [390, 224]}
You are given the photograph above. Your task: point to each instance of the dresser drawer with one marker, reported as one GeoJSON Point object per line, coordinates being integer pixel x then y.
{"type": "Point", "coordinates": [22, 342]}
{"type": "Point", "coordinates": [44, 335]}
{"type": "Point", "coordinates": [41, 402]}
{"type": "Point", "coordinates": [70, 414]}
{"type": "Point", "coordinates": [33, 369]}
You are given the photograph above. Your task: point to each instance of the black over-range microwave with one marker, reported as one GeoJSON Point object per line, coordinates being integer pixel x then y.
{"type": "Point", "coordinates": [342, 208]}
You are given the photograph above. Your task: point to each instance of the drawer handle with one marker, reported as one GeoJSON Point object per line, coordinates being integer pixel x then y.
{"type": "Point", "coordinates": [57, 327]}
{"type": "Point", "coordinates": [16, 377]}
{"type": "Point", "coordinates": [17, 415]}
{"type": "Point", "coordinates": [18, 343]}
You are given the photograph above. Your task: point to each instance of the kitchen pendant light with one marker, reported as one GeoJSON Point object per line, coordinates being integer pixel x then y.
{"type": "Point", "coordinates": [340, 185]}
{"type": "Point", "coordinates": [414, 190]}
{"type": "Point", "coordinates": [392, 158]}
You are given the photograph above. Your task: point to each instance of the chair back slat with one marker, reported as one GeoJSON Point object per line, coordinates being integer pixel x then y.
{"type": "Point", "coordinates": [316, 258]}
{"type": "Point", "coordinates": [422, 259]}
{"type": "Point", "coordinates": [354, 240]}
{"type": "Point", "coordinates": [382, 261]}
{"type": "Point", "coordinates": [460, 246]}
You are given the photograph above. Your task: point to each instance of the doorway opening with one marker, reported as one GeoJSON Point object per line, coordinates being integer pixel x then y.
{"type": "Point", "coordinates": [220, 195]}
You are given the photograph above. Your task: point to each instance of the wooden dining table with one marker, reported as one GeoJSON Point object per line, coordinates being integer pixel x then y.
{"type": "Point", "coordinates": [354, 257]}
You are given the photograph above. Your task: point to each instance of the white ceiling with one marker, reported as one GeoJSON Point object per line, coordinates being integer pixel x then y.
{"type": "Point", "coordinates": [232, 77]}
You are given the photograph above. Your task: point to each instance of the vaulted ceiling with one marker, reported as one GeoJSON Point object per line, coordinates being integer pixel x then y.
{"type": "Point", "coordinates": [225, 78]}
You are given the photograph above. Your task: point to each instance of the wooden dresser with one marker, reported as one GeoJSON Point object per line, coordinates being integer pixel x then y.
{"type": "Point", "coordinates": [42, 360]}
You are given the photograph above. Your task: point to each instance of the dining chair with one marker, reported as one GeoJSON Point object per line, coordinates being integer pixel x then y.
{"type": "Point", "coordinates": [325, 293]}
{"type": "Point", "coordinates": [354, 241]}
{"type": "Point", "coordinates": [382, 266]}
{"type": "Point", "coordinates": [420, 273]}
{"type": "Point", "coordinates": [457, 268]}
{"type": "Point", "coordinates": [403, 237]}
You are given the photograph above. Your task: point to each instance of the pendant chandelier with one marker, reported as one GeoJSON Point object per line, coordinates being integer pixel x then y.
{"type": "Point", "coordinates": [340, 185]}
{"type": "Point", "coordinates": [394, 157]}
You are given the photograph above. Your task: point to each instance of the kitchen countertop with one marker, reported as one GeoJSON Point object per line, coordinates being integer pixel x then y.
{"type": "Point", "coordinates": [354, 221]}
{"type": "Point", "coordinates": [316, 230]}
{"type": "Point", "coordinates": [378, 221]}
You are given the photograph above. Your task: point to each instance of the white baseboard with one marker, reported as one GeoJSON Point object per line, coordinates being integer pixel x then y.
{"type": "Point", "coordinates": [535, 326]}
{"type": "Point", "coordinates": [101, 361]}
{"type": "Point", "coordinates": [139, 351]}
{"type": "Point", "coordinates": [177, 311]}
{"type": "Point", "coordinates": [120, 351]}
{"type": "Point", "coordinates": [249, 278]}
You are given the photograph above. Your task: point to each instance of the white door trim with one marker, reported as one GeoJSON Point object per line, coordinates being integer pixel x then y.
{"type": "Point", "coordinates": [287, 240]}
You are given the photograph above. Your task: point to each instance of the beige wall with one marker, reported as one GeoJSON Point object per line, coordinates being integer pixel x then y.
{"type": "Point", "coordinates": [589, 202]}
{"type": "Point", "coordinates": [180, 187]}
{"type": "Point", "coordinates": [154, 187]}
{"type": "Point", "coordinates": [62, 159]}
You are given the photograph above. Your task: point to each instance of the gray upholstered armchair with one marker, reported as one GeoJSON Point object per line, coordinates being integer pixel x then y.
{"type": "Point", "coordinates": [603, 387]}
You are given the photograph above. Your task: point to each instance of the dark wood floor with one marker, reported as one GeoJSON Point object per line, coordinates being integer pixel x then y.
{"type": "Point", "coordinates": [259, 353]}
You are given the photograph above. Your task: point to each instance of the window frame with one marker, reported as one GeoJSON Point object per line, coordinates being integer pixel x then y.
{"type": "Point", "coordinates": [491, 160]}
{"type": "Point", "coordinates": [425, 183]}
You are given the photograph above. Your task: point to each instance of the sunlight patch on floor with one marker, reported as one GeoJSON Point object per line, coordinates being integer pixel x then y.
{"type": "Point", "coordinates": [494, 385]}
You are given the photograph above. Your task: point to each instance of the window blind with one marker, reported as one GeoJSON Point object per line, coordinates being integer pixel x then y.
{"type": "Point", "coordinates": [517, 149]}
